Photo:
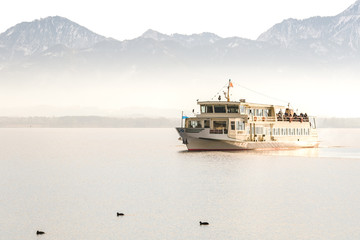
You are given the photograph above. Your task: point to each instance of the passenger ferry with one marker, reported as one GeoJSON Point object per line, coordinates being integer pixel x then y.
{"type": "Point", "coordinates": [238, 125]}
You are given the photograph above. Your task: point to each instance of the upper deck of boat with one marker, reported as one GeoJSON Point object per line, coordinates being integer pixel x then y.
{"type": "Point", "coordinates": [242, 103]}
{"type": "Point", "coordinates": [246, 111]}
{"type": "Point", "coordinates": [251, 111]}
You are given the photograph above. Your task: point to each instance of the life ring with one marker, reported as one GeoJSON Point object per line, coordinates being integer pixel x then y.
{"type": "Point", "coordinates": [255, 118]}
{"type": "Point", "coordinates": [263, 118]}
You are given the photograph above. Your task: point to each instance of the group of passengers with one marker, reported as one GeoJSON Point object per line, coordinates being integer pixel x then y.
{"type": "Point", "coordinates": [292, 117]}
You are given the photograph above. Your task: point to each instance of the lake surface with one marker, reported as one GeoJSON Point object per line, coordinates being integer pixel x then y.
{"type": "Point", "coordinates": [71, 182]}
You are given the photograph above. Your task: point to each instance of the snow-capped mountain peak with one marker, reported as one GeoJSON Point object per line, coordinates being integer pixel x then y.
{"type": "Point", "coordinates": [319, 34]}
{"type": "Point", "coordinates": [354, 9]}
{"type": "Point", "coordinates": [27, 38]}
{"type": "Point", "coordinates": [155, 35]}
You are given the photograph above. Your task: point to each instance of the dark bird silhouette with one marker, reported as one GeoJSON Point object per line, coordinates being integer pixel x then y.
{"type": "Point", "coordinates": [119, 214]}
{"type": "Point", "coordinates": [39, 232]}
{"type": "Point", "coordinates": [204, 223]}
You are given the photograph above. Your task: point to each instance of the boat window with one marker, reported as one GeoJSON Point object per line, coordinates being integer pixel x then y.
{"type": "Point", "coordinates": [195, 124]}
{"type": "Point", "coordinates": [242, 109]}
{"type": "Point", "coordinates": [240, 125]}
{"type": "Point", "coordinates": [219, 109]}
{"type": "Point", "coordinates": [206, 109]}
{"type": "Point", "coordinates": [232, 125]}
{"type": "Point", "coordinates": [247, 130]}
{"type": "Point", "coordinates": [232, 109]}
{"type": "Point", "coordinates": [276, 131]}
{"type": "Point", "coordinates": [206, 123]}
{"type": "Point", "coordinates": [268, 131]}
{"type": "Point", "coordinates": [259, 130]}
{"type": "Point", "coordinates": [250, 112]}
{"type": "Point", "coordinates": [219, 124]}
{"type": "Point", "coordinates": [259, 112]}
{"type": "Point", "coordinates": [266, 113]}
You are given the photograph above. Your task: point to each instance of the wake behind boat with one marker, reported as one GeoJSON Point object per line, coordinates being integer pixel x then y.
{"type": "Point", "coordinates": [232, 125]}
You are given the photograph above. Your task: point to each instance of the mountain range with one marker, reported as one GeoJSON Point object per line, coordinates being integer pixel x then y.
{"type": "Point", "coordinates": [336, 35]}
{"type": "Point", "coordinates": [53, 38]}
{"type": "Point", "coordinates": [60, 64]}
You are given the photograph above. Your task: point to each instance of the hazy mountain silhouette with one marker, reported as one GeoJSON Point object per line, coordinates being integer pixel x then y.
{"type": "Point", "coordinates": [30, 38]}
{"type": "Point", "coordinates": [57, 40]}
{"type": "Point", "coordinates": [337, 36]}
{"type": "Point", "coordinates": [56, 62]}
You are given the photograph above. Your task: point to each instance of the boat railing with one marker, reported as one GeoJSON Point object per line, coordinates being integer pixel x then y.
{"type": "Point", "coordinates": [263, 118]}
{"type": "Point", "coordinates": [270, 118]}
{"type": "Point", "coordinates": [193, 130]}
{"type": "Point", "coordinates": [218, 131]}
{"type": "Point", "coordinates": [292, 119]}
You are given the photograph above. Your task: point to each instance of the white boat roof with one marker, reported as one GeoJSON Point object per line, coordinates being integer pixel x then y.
{"type": "Point", "coordinates": [260, 105]}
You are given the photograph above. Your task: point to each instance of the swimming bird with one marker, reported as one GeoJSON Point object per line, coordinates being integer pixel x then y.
{"type": "Point", "coordinates": [39, 232]}
{"type": "Point", "coordinates": [119, 214]}
{"type": "Point", "coordinates": [204, 223]}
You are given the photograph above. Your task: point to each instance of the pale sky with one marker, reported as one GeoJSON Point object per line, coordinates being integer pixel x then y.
{"type": "Point", "coordinates": [129, 19]}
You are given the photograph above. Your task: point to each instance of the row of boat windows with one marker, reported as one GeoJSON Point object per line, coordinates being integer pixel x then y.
{"type": "Point", "coordinates": [290, 131]}
{"type": "Point", "coordinates": [222, 109]}
{"type": "Point", "coordinates": [258, 112]}
{"type": "Point", "coordinates": [235, 109]}
{"type": "Point", "coordinates": [240, 126]}
{"type": "Point", "coordinates": [275, 131]}
{"type": "Point", "coordinates": [281, 131]}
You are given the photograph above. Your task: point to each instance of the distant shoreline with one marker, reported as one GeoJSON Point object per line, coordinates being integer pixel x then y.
{"type": "Point", "coordinates": [143, 122]}
{"type": "Point", "coordinates": [87, 122]}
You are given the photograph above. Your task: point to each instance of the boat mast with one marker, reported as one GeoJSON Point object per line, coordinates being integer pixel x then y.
{"type": "Point", "coordinates": [228, 92]}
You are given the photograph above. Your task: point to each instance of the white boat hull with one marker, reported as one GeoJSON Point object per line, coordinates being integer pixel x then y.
{"type": "Point", "coordinates": [207, 144]}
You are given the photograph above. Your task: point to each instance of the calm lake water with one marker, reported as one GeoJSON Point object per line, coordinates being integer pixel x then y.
{"type": "Point", "coordinates": [71, 182]}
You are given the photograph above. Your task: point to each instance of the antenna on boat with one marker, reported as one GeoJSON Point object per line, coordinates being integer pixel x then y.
{"type": "Point", "coordinates": [226, 94]}
{"type": "Point", "coordinates": [228, 91]}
